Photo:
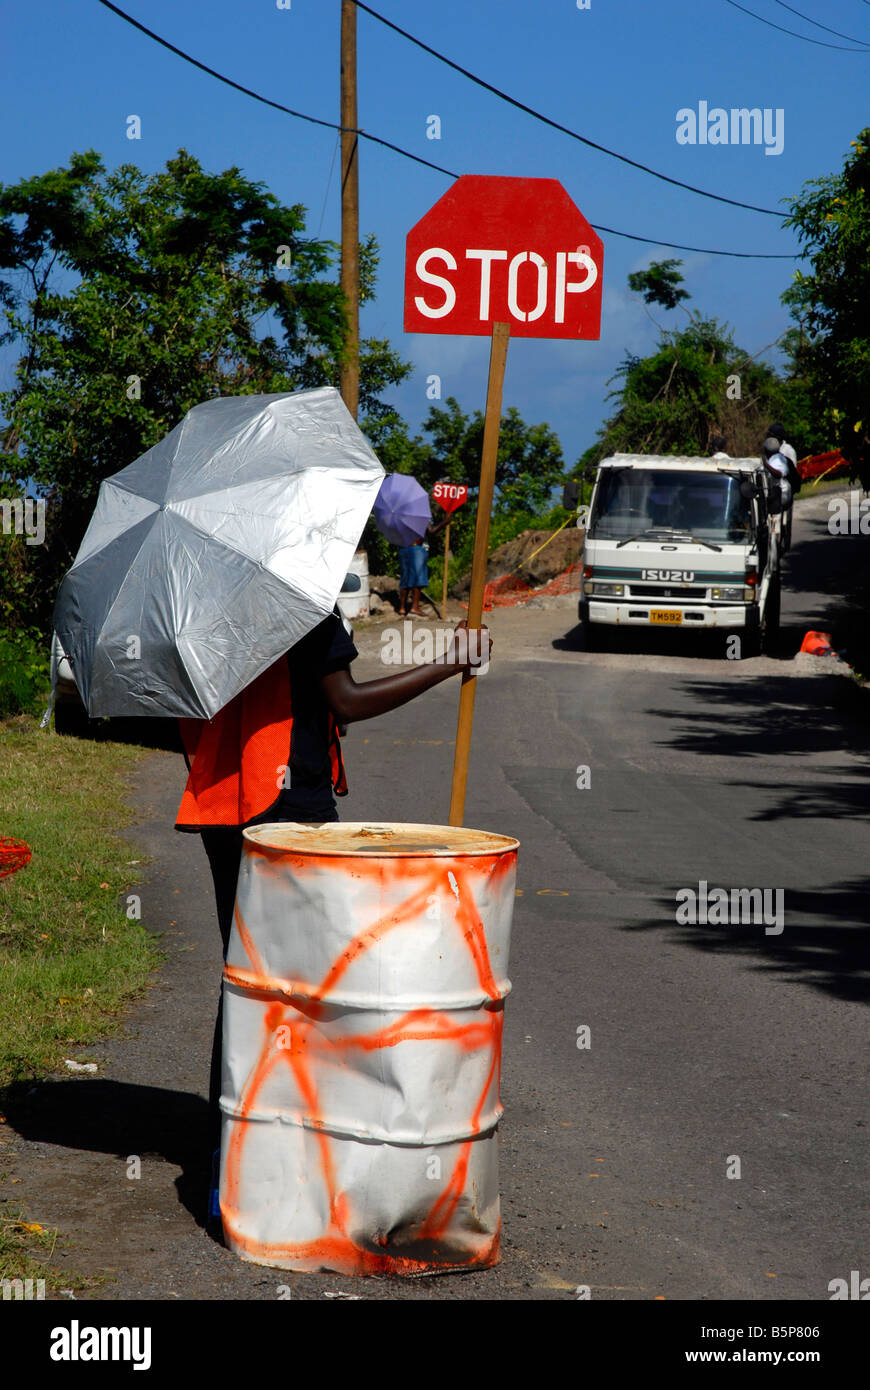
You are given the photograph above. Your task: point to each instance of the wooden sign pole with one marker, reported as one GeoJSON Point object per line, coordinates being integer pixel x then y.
{"type": "Point", "coordinates": [444, 585]}
{"type": "Point", "coordinates": [492, 420]}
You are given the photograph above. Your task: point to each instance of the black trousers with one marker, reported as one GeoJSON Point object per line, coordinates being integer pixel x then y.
{"type": "Point", "coordinates": [224, 849]}
{"type": "Point", "coordinates": [223, 846]}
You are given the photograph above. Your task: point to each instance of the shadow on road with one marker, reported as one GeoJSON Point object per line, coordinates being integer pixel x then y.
{"type": "Point", "coordinates": [827, 950]}
{"type": "Point", "coordinates": [834, 571]}
{"type": "Point", "coordinates": [146, 732]}
{"type": "Point", "coordinates": [631, 641]}
{"type": "Point", "coordinates": [708, 644]}
{"type": "Point", "coordinates": [776, 716]}
{"type": "Point", "coordinates": [114, 1117]}
{"type": "Point", "coordinates": [848, 801]}
{"type": "Point", "coordinates": [789, 717]}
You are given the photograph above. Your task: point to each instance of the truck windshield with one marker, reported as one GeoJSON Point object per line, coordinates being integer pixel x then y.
{"type": "Point", "coordinates": [631, 501]}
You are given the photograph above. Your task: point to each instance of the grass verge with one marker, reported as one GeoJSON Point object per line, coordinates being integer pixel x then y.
{"type": "Point", "coordinates": [26, 1253]}
{"type": "Point", "coordinates": [70, 957]}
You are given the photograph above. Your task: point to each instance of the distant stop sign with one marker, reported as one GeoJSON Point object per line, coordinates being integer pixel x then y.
{"type": "Point", "coordinates": [504, 250]}
{"type": "Point", "coordinates": [450, 495]}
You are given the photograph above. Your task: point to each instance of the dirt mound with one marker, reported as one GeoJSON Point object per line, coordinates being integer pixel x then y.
{"type": "Point", "coordinates": [385, 585]}
{"type": "Point", "coordinates": [513, 557]}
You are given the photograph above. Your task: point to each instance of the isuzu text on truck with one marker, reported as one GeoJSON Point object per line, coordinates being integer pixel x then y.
{"type": "Point", "coordinates": [683, 543]}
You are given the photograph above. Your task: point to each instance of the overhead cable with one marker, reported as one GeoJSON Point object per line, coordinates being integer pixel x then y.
{"type": "Point", "coordinates": [397, 149]}
{"type": "Point", "coordinates": [267, 101]}
{"type": "Point", "coordinates": [828, 30]}
{"type": "Point", "coordinates": [820, 43]}
{"type": "Point", "coordinates": [555, 125]}
{"type": "Point", "coordinates": [702, 250]}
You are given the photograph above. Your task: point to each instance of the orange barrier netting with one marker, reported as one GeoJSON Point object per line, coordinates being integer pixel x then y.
{"type": "Point", "coordinates": [510, 589]}
{"type": "Point", "coordinates": [14, 854]}
{"type": "Point", "coordinates": [821, 465]}
{"type": "Point", "coordinates": [568, 582]}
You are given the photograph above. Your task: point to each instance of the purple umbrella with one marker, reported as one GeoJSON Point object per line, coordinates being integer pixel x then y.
{"type": "Point", "coordinates": [402, 510]}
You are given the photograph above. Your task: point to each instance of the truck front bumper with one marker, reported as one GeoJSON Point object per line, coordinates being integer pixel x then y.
{"type": "Point", "coordinates": [636, 613]}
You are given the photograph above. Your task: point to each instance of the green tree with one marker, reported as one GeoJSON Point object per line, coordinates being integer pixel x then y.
{"type": "Point", "coordinates": [135, 297]}
{"type": "Point", "coordinates": [659, 283]}
{"type": "Point", "coordinates": [830, 304]}
{"type": "Point", "coordinates": [698, 384]}
{"type": "Point", "coordinates": [529, 466]}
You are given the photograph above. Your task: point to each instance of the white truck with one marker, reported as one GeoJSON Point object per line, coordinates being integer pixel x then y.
{"type": "Point", "coordinates": [682, 543]}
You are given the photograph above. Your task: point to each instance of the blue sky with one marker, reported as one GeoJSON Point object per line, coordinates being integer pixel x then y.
{"type": "Point", "coordinates": [618, 72]}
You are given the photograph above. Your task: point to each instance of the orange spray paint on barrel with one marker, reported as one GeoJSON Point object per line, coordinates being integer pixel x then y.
{"type": "Point", "coordinates": [363, 1009]}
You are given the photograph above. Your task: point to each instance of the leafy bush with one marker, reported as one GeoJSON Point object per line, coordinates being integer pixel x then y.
{"type": "Point", "coordinates": [24, 671]}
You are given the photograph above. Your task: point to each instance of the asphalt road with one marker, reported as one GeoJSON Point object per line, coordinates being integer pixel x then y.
{"type": "Point", "coordinates": [709, 1043]}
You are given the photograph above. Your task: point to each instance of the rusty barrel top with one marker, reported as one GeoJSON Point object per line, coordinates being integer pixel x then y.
{"type": "Point", "coordinates": [383, 839]}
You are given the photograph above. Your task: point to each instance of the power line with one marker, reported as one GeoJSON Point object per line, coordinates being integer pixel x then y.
{"type": "Point", "coordinates": [328, 185]}
{"type": "Point", "coordinates": [267, 101]}
{"type": "Point", "coordinates": [397, 149]}
{"type": "Point", "coordinates": [820, 43]}
{"type": "Point", "coordinates": [555, 125]}
{"type": "Point", "coordinates": [828, 30]}
{"type": "Point", "coordinates": [702, 250]}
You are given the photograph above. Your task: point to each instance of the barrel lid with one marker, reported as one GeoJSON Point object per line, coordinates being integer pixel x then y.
{"type": "Point", "coordinates": [377, 838]}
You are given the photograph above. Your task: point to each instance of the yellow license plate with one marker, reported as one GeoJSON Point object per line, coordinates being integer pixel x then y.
{"type": "Point", "coordinates": [665, 615]}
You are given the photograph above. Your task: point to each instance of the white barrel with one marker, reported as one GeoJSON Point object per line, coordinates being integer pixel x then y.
{"type": "Point", "coordinates": [357, 605]}
{"type": "Point", "coordinates": [363, 1006]}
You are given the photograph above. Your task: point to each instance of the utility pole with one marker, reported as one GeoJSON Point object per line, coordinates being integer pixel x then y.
{"type": "Point", "coordinates": [349, 206]}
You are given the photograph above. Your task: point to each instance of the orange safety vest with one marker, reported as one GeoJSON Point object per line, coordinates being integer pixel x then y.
{"type": "Point", "coordinates": [239, 758]}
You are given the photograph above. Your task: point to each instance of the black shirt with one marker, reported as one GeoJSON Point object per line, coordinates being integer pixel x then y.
{"type": "Point", "coordinates": [307, 793]}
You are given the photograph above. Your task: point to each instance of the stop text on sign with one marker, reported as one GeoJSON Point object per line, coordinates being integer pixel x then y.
{"type": "Point", "coordinates": [450, 495]}
{"type": "Point", "coordinates": [504, 250]}
{"type": "Point", "coordinates": [537, 291]}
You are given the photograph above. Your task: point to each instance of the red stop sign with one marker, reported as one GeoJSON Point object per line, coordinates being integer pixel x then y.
{"type": "Point", "coordinates": [450, 495]}
{"type": "Point", "coordinates": [504, 250]}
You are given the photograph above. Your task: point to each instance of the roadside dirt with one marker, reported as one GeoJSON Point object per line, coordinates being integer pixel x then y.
{"type": "Point", "coordinates": [536, 556]}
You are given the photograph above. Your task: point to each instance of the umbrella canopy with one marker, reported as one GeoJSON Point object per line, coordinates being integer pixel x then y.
{"type": "Point", "coordinates": [216, 551]}
{"type": "Point", "coordinates": [402, 511]}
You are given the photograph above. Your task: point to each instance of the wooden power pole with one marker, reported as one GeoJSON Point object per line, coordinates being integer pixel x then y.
{"type": "Point", "coordinates": [349, 206]}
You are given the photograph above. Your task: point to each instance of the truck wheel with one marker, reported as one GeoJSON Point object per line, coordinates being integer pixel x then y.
{"type": "Point", "coordinates": [750, 642]}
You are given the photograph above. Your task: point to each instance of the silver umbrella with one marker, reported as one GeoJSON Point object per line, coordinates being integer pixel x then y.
{"type": "Point", "coordinates": [215, 552]}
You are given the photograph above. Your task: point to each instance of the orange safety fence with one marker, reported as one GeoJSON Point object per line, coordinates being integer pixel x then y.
{"type": "Point", "coordinates": [568, 582]}
{"type": "Point", "coordinates": [14, 854]}
{"type": "Point", "coordinates": [509, 589]}
{"type": "Point", "coordinates": [821, 465]}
